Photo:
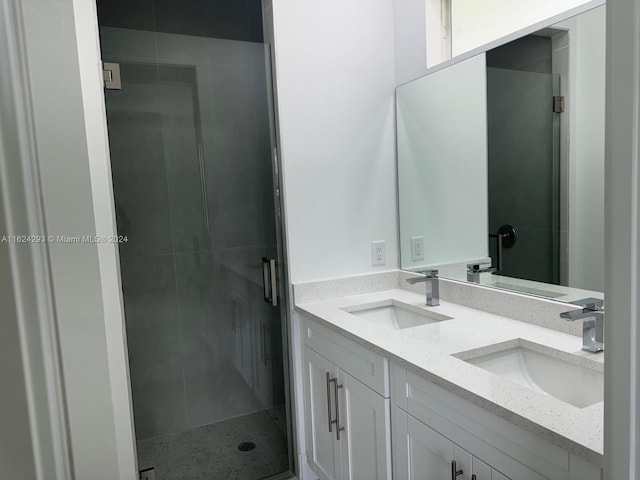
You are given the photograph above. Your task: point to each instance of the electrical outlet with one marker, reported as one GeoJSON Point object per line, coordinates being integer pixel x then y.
{"type": "Point", "coordinates": [417, 248]}
{"type": "Point", "coordinates": [148, 474]}
{"type": "Point", "coordinates": [378, 252]}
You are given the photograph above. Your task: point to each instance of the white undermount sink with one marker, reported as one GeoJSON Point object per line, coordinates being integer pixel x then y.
{"type": "Point", "coordinates": [396, 315]}
{"type": "Point", "coordinates": [575, 380]}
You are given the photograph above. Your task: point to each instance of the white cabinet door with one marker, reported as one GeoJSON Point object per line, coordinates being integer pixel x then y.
{"type": "Point", "coordinates": [419, 453]}
{"type": "Point", "coordinates": [365, 441]}
{"type": "Point", "coordinates": [320, 379]}
{"type": "Point", "coordinates": [463, 461]}
{"type": "Point", "coordinates": [430, 454]}
{"type": "Point", "coordinates": [481, 470]}
{"type": "Point", "coordinates": [495, 475]}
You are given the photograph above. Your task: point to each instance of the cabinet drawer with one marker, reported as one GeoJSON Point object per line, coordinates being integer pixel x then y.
{"type": "Point", "coordinates": [489, 437]}
{"type": "Point", "coordinates": [358, 361]}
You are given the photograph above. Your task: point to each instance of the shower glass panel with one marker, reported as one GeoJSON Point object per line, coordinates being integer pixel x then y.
{"type": "Point", "coordinates": [190, 135]}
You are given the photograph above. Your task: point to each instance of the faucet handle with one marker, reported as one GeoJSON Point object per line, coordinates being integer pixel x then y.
{"type": "Point", "coordinates": [430, 273]}
{"type": "Point", "coordinates": [590, 303]}
{"type": "Point", "coordinates": [477, 267]}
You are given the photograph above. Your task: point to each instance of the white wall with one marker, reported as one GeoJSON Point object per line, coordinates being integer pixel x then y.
{"type": "Point", "coordinates": [622, 239]}
{"type": "Point", "coordinates": [334, 63]}
{"type": "Point", "coordinates": [477, 23]}
{"type": "Point", "coordinates": [421, 40]}
{"type": "Point", "coordinates": [410, 39]}
{"type": "Point", "coordinates": [33, 439]}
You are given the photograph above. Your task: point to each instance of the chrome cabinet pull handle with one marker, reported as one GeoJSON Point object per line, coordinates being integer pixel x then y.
{"type": "Point", "coordinates": [338, 427]}
{"type": "Point", "coordinates": [455, 473]}
{"type": "Point", "coordinates": [329, 380]}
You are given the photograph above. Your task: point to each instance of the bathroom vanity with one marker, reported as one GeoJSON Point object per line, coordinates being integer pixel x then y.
{"type": "Point", "coordinates": [500, 165]}
{"type": "Point", "coordinates": [397, 389]}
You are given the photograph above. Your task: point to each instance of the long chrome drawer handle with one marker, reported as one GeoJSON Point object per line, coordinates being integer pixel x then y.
{"type": "Point", "coordinates": [331, 422]}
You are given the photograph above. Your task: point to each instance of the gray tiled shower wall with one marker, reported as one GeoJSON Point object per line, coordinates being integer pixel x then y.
{"type": "Point", "coordinates": [190, 150]}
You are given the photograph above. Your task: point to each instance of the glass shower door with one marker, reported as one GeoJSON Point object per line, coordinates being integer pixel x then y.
{"type": "Point", "coordinates": [192, 162]}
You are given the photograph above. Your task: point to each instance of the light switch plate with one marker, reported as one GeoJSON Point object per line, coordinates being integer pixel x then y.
{"type": "Point", "coordinates": [417, 248]}
{"type": "Point", "coordinates": [378, 252]}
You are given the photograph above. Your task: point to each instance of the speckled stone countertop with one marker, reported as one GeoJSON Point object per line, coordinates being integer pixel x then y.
{"type": "Point", "coordinates": [429, 350]}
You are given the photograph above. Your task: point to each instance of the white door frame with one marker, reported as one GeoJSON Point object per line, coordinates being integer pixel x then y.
{"type": "Point", "coordinates": [28, 330]}
{"type": "Point", "coordinates": [73, 344]}
{"type": "Point", "coordinates": [622, 235]}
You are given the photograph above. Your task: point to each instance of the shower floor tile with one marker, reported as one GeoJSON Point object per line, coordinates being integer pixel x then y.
{"type": "Point", "coordinates": [210, 452]}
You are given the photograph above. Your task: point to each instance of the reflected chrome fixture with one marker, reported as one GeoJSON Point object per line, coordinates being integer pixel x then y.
{"type": "Point", "coordinates": [430, 278]}
{"type": "Point", "coordinates": [269, 281]}
{"type": "Point", "coordinates": [475, 269]}
{"type": "Point", "coordinates": [592, 315]}
{"type": "Point", "coordinates": [507, 237]}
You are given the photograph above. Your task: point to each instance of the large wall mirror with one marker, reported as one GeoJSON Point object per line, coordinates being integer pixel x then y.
{"type": "Point", "coordinates": [501, 164]}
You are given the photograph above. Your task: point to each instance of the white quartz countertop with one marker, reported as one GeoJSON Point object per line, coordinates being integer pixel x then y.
{"type": "Point", "coordinates": [428, 350]}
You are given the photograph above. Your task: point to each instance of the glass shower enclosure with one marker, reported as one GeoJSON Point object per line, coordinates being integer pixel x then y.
{"type": "Point", "coordinates": [191, 140]}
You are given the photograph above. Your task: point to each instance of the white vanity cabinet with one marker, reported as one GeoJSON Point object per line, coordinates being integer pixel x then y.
{"type": "Point", "coordinates": [430, 422]}
{"type": "Point", "coordinates": [347, 386]}
{"type": "Point", "coordinates": [348, 421]}
{"type": "Point", "coordinates": [421, 453]}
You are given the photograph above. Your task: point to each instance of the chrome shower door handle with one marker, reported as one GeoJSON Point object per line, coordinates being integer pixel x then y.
{"type": "Point", "coordinates": [269, 281]}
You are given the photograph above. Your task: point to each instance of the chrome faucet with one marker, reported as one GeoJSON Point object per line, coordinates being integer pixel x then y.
{"type": "Point", "coordinates": [592, 315]}
{"type": "Point", "coordinates": [430, 278]}
{"type": "Point", "coordinates": [475, 269]}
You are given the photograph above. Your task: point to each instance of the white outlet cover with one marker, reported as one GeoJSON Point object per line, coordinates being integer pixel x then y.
{"type": "Point", "coordinates": [378, 252]}
{"type": "Point", "coordinates": [417, 248]}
